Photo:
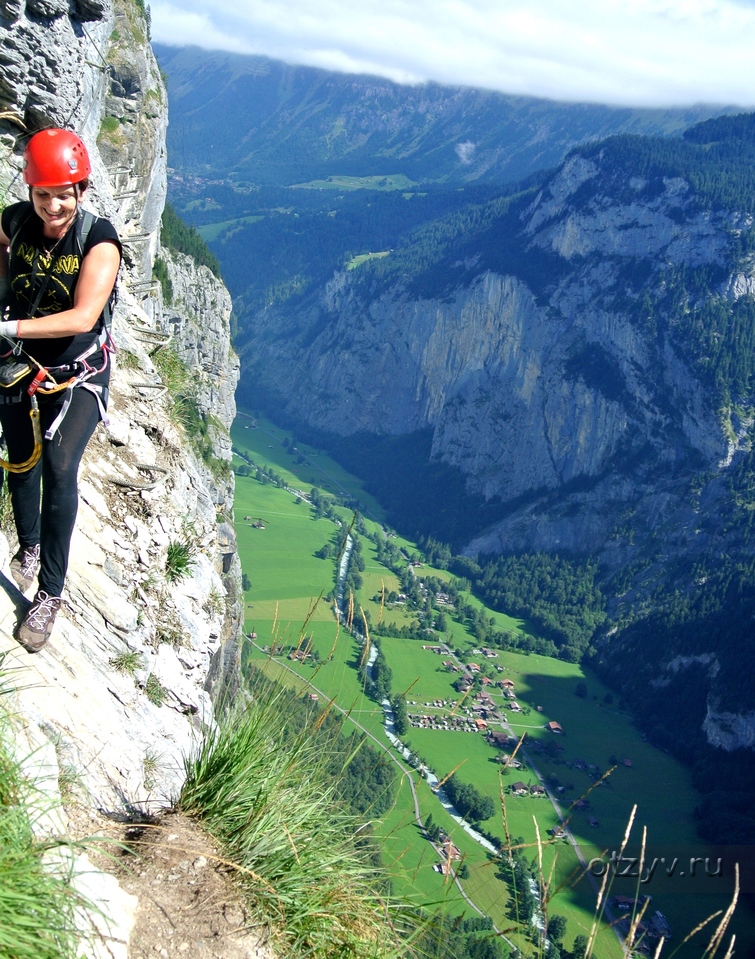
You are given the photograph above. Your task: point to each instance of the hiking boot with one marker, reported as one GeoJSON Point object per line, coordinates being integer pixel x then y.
{"type": "Point", "coordinates": [24, 566]}
{"type": "Point", "coordinates": [36, 627]}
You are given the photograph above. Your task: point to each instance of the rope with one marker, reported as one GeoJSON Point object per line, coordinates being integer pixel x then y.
{"type": "Point", "coordinates": [145, 467]}
{"type": "Point", "coordinates": [150, 386]}
{"type": "Point", "coordinates": [153, 337]}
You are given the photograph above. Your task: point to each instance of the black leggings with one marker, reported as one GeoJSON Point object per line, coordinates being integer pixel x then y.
{"type": "Point", "coordinates": [57, 471]}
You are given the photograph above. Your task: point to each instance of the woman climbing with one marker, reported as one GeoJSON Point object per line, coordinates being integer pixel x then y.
{"type": "Point", "coordinates": [58, 268]}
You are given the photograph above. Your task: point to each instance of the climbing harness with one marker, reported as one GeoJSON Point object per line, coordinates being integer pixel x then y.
{"type": "Point", "coordinates": [44, 381]}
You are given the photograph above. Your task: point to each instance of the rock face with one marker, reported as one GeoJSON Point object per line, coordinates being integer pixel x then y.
{"type": "Point", "coordinates": [198, 317]}
{"type": "Point", "coordinates": [152, 609]}
{"type": "Point", "coordinates": [528, 392]}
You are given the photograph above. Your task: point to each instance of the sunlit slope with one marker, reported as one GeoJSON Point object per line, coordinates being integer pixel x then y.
{"type": "Point", "coordinates": [288, 610]}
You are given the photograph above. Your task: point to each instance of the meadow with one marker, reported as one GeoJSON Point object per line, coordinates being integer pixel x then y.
{"type": "Point", "coordinates": [211, 231]}
{"type": "Point", "coordinates": [287, 606]}
{"type": "Point", "coordinates": [394, 181]}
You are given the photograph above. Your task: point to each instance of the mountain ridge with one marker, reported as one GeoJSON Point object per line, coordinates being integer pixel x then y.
{"type": "Point", "coordinates": [300, 123]}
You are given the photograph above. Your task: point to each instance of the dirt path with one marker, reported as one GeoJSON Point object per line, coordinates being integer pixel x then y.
{"type": "Point", "coordinates": [189, 905]}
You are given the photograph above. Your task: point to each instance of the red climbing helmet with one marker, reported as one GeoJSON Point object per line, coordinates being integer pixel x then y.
{"type": "Point", "coordinates": [55, 158]}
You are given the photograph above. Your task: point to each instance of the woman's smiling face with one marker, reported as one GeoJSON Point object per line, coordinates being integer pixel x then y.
{"type": "Point", "coordinates": [56, 207]}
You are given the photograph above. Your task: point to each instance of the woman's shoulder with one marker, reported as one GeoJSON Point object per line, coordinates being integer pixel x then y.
{"type": "Point", "coordinates": [14, 215]}
{"type": "Point", "coordinates": [100, 230]}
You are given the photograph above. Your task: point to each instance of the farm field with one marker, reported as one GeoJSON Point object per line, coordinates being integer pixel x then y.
{"type": "Point", "coordinates": [211, 231]}
{"type": "Point", "coordinates": [306, 466]}
{"type": "Point", "coordinates": [394, 181]}
{"type": "Point", "coordinates": [287, 605]}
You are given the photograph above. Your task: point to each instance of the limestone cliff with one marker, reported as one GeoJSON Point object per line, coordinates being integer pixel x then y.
{"type": "Point", "coordinates": [119, 694]}
{"type": "Point", "coordinates": [530, 385]}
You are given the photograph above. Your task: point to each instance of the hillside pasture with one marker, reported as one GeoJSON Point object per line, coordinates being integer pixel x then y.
{"type": "Point", "coordinates": [284, 606]}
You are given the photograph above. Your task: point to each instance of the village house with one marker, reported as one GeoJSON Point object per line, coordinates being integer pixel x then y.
{"type": "Point", "coordinates": [554, 727]}
{"type": "Point", "coordinates": [505, 759]}
{"type": "Point", "coordinates": [659, 926]}
{"type": "Point", "coordinates": [520, 789]}
{"type": "Point", "coordinates": [625, 903]}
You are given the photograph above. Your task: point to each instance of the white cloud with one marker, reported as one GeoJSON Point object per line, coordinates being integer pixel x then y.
{"type": "Point", "coordinates": [650, 52]}
{"type": "Point", "coordinates": [465, 151]}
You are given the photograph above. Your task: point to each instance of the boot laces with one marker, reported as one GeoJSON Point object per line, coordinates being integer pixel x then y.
{"type": "Point", "coordinates": [44, 610]}
{"type": "Point", "coordinates": [29, 560]}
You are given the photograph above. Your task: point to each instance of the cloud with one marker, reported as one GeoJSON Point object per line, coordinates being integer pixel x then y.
{"type": "Point", "coordinates": [648, 53]}
{"type": "Point", "coordinates": [465, 151]}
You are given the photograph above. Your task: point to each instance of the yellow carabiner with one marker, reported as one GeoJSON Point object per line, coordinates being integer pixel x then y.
{"type": "Point", "coordinates": [36, 452]}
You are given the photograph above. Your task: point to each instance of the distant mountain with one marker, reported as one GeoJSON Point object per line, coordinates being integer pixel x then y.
{"type": "Point", "coordinates": [567, 369]}
{"type": "Point", "coordinates": [262, 121]}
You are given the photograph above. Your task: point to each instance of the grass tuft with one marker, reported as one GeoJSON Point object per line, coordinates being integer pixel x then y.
{"type": "Point", "coordinates": [179, 559]}
{"type": "Point", "coordinates": [267, 798]}
{"type": "Point", "coordinates": [40, 912]}
{"type": "Point", "coordinates": [154, 690]}
{"type": "Point", "coordinates": [127, 662]}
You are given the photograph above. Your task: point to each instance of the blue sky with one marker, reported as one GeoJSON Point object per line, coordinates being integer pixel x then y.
{"type": "Point", "coordinates": [645, 53]}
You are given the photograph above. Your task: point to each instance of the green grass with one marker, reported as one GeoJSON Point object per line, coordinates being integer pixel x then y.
{"type": "Point", "coordinates": [154, 690]}
{"type": "Point", "coordinates": [287, 579]}
{"type": "Point", "coordinates": [41, 914]}
{"type": "Point", "coordinates": [211, 231]}
{"type": "Point", "coordinates": [179, 559]}
{"type": "Point", "coordinates": [420, 669]}
{"type": "Point", "coordinates": [267, 798]}
{"type": "Point", "coordinates": [361, 258]}
{"type": "Point", "coordinates": [306, 468]}
{"type": "Point", "coordinates": [395, 181]}
{"type": "Point", "coordinates": [127, 662]}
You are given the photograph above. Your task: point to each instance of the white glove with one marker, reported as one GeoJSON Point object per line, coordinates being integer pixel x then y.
{"type": "Point", "coordinates": [9, 328]}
